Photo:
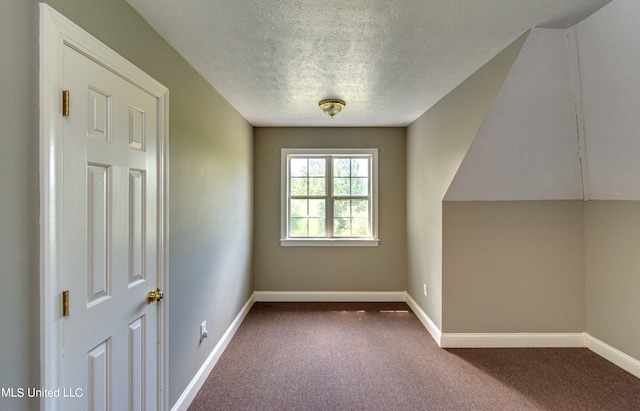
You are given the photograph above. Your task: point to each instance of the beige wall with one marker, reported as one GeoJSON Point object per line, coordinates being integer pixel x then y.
{"type": "Point", "coordinates": [613, 274]}
{"type": "Point", "coordinates": [436, 145]}
{"type": "Point", "coordinates": [382, 268]}
{"type": "Point", "coordinates": [210, 191]}
{"type": "Point", "coordinates": [19, 201]}
{"type": "Point", "coordinates": [515, 266]}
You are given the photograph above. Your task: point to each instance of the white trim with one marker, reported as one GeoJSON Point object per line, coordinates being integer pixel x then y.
{"type": "Point", "coordinates": [622, 360]}
{"type": "Point", "coordinates": [50, 203]}
{"type": "Point", "coordinates": [431, 327]}
{"type": "Point", "coordinates": [512, 340]}
{"type": "Point", "coordinates": [163, 249]}
{"type": "Point", "coordinates": [189, 394]}
{"type": "Point", "coordinates": [56, 31]}
{"type": "Point", "coordinates": [330, 296]}
{"type": "Point", "coordinates": [543, 340]}
{"type": "Point", "coordinates": [525, 340]}
{"type": "Point", "coordinates": [329, 241]}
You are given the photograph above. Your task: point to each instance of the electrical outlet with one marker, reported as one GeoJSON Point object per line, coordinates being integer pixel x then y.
{"type": "Point", "coordinates": [203, 331]}
{"type": "Point", "coordinates": [426, 289]}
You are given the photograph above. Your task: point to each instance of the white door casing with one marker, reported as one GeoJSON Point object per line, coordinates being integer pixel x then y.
{"type": "Point", "coordinates": [103, 231]}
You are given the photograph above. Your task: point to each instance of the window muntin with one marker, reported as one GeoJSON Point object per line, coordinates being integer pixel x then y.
{"type": "Point", "coordinates": [329, 196]}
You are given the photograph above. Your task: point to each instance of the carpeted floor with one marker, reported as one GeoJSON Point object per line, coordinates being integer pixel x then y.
{"type": "Point", "coordinates": [378, 356]}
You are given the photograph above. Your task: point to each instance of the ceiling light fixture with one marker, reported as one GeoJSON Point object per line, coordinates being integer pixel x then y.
{"type": "Point", "coordinates": [332, 106]}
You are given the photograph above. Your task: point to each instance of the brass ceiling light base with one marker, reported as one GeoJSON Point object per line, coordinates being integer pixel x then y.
{"type": "Point", "coordinates": [332, 106]}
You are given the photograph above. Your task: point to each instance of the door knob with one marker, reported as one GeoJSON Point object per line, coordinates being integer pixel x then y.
{"type": "Point", "coordinates": [154, 296]}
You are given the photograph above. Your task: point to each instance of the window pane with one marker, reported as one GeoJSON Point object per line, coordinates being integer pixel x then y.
{"type": "Point", "coordinates": [341, 167]}
{"type": "Point", "coordinates": [317, 167]}
{"type": "Point", "coordinates": [299, 186]}
{"type": "Point", "coordinates": [360, 208]}
{"type": "Point", "coordinates": [360, 167]}
{"type": "Point", "coordinates": [299, 208]}
{"type": "Point", "coordinates": [299, 167]}
{"type": "Point", "coordinates": [341, 187]}
{"type": "Point", "coordinates": [341, 227]}
{"type": "Point", "coordinates": [359, 186]}
{"type": "Point", "coordinates": [298, 227]}
{"type": "Point", "coordinates": [317, 186]}
{"type": "Point", "coordinates": [316, 227]}
{"type": "Point", "coordinates": [359, 227]}
{"type": "Point", "coordinates": [341, 208]}
{"type": "Point", "coordinates": [316, 208]}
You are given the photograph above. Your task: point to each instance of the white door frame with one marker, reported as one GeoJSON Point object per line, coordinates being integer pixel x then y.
{"type": "Point", "coordinates": [56, 31]}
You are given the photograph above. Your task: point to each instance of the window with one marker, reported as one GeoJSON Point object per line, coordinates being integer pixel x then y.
{"type": "Point", "coordinates": [329, 197]}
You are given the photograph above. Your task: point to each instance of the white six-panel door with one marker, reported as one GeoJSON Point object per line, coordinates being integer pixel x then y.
{"type": "Point", "coordinates": [103, 233]}
{"type": "Point", "coordinates": [109, 238]}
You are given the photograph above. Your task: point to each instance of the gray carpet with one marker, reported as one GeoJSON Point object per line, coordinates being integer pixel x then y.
{"type": "Point", "coordinates": [378, 356]}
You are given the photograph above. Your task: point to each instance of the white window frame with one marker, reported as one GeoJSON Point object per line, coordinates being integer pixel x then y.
{"type": "Point", "coordinates": [286, 240]}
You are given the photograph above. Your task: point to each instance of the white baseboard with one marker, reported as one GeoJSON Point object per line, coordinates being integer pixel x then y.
{"type": "Point", "coordinates": [198, 380]}
{"type": "Point", "coordinates": [330, 296]}
{"type": "Point", "coordinates": [495, 340]}
{"type": "Point", "coordinates": [512, 340]}
{"type": "Point", "coordinates": [431, 327]}
{"type": "Point", "coordinates": [614, 355]}
{"type": "Point", "coordinates": [525, 340]}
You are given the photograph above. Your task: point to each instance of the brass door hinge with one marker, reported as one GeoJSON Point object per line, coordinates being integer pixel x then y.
{"type": "Point", "coordinates": [65, 103]}
{"type": "Point", "coordinates": [65, 303]}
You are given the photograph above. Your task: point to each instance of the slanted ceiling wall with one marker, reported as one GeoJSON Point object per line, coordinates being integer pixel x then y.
{"type": "Point", "coordinates": [563, 127]}
{"type": "Point", "coordinates": [565, 122]}
{"type": "Point", "coordinates": [527, 147]}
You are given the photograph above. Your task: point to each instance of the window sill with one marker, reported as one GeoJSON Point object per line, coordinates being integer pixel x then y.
{"type": "Point", "coordinates": [329, 242]}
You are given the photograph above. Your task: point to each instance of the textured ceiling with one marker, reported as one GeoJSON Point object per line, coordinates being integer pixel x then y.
{"type": "Point", "coordinates": [390, 60]}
